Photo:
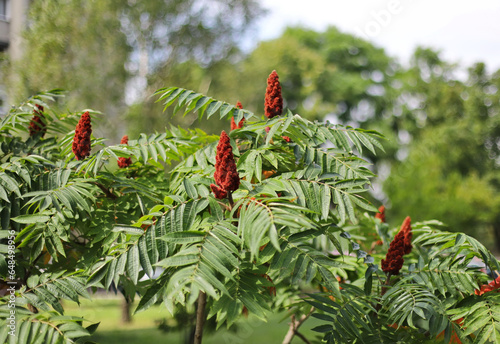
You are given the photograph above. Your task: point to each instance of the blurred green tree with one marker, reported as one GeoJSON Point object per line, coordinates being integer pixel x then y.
{"type": "Point", "coordinates": [323, 73]}
{"type": "Point", "coordinates": [449, 168]}
{"type": "Point", "coordinates": [328, 73]}
{"type": "Point", "coordinates": [214, 80]}
{"type": "Point", "coordinates": [77, 46]}
{"type": "Point", "coordinates": [107, 54]}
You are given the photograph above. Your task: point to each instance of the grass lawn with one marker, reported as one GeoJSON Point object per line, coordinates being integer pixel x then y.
{"type": "Point", "coordinates": [143, 328]}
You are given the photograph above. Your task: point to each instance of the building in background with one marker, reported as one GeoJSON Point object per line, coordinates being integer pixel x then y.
{"type": "Point", "coordinates": [4, 25]}
{"type": "Point", "coordinates": [12, 22]}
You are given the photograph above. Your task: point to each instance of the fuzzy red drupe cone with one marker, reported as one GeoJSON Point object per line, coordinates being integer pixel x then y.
{"type": "Point", "coordinates": [124, 162]}
{"type": "Point", "coordinates": [273, 105]}
{"type": "Point", "coordinates": [393, 261]}
{"type": "Point", "coordinates": [218, 192]}
{"type": "Point", "coordinates": [406, 228]}
{"type": "Point", "coordinates": [400, 245]}
{"type": "Point", "coordinates": [233, 123]}
{"type": "Point", "coordinates": [226, 175]}
{"type": "Point", "coordinates": [37, 124]}
{"type": "Point", "coordinates": [81, 141]}
{"type": "Point", "coordinates": [381, 213]}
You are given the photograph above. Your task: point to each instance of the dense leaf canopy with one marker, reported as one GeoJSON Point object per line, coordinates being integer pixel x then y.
{"type": "Point", "coordinates": [294, 226]}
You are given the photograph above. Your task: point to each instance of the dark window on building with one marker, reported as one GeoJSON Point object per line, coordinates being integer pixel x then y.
{"type": "Point", "coordinates": [3, 9]}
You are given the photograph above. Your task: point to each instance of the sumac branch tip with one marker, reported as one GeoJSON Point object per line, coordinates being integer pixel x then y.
{"type": "Point", "coordinates": [273, 104]}
{"type": "Point", "coordinates": [122, 161]}
{"type": "Point", "coordinates": [400, 245]}
{"type": "Point", "coordinates": [381, 213]}
{"type": "Point", "coordinates": [226, 175]}
{"type": "Point", "coordinates": [240, 124]}
{"type": "Point", "coordinates": [81, 140]}
{"type": "Point", "coordinates": [37, 123]}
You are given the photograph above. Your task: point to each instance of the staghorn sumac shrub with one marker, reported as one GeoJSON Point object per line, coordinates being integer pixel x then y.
{"type": "Point", "coordinates": [124, 162]}
{"type": "Point", "coordinates": [37, 124]}
{"type": "Point", "coordinates": [273, 104]}
{"type": "Point", "coordinates": [81, 141]}
{"type": "Point", "coordinates": [267, 218]}
{"type": "Point", "coordinates": [240, 124]}
{"type": "Point", "coordinates": [226, 175]}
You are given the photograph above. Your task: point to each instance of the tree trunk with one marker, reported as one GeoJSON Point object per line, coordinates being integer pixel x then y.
{"type": "Point", "coordinates": [126, 318]}
{"type": "Point", "coordinates": [200, 317]}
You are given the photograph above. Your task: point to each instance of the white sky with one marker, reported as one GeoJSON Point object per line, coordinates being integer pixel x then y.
{"type": "Point", "coordinates": [465, 31]}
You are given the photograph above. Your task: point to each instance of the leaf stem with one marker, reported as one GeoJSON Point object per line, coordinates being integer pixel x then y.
{"type": "Point", "coordinates": [387, 282]}
{"type": "Point", "coordinates": [383, 290]}
{"type": "Point", "coordinates": [294, 328]}
{"type": "Point", "coordinates": [230, 199]}
{"type": "Point", "coordinates": [200, 317]}
{"type": "Point", "coordinates": [106, 191]}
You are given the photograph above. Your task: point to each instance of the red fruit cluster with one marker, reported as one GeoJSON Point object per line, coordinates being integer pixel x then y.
{"type": "Point", "coordinates": [37, 123]}
{"type": "Point", "coordinates": [81, 141]}
{"type": "Point", "coordinates": [400, 245]}
{"type": "Point", "coordinates": [233, 123]}
{"type": "Point", "coordinates": [273, 105]}
{"type": "Point", "coordinates": [124, 162]}
{"type": "Point", "coordinates": [406, 228]}
{"type": "Point", "coordinates": [286, 138]}
{"type": "Point", "coordinates": [226, 176]}
{"type": "Point", "coordinates": [493, 285]}
{"type": "Point", "coordinates": [381, 213]}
